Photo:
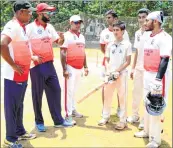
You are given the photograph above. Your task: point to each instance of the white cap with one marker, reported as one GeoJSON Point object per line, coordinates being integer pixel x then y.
{"type": "Point", "coordinates": [75, 18]}
{"type": "Point", "coordinates": [156, 15]}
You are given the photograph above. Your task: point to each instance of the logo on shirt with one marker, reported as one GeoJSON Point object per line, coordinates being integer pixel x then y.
{"type": "Point", "coordinates": [107, 36]}
{"type": "Point", "coordinates": [120, 51]}
{"type": "Point", "coordinates": [113, 51]}
{"type": "Point", "coordinates": [39, 31]}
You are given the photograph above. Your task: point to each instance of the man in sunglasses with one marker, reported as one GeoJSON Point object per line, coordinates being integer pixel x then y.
{"type": "Point", "coordinates": [73, 60]}
{"type": "Point", "coordinates": [17, 55]}
{"type": "Point", "coordinates": [106, 37]}
{"type": "Point", "coordinates": [43, 74]}
{"type": "Point", "coordinates": [157, 46]}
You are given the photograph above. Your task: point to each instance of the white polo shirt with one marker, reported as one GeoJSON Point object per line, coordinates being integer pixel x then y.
{"type": "Point", "coordinates": [19, 51]}
{"type": "Point", "coordinates": [155, 47]}
{"type": "Point", "coordinates": [117, 52]}
{"type": "Point", "coordinates": [41, 40]}
{"type": "Point", "coordinates": [75, 45]}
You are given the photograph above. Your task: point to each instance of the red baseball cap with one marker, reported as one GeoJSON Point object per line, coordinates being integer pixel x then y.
{"type": "Point", "coordinates": [43, 6]}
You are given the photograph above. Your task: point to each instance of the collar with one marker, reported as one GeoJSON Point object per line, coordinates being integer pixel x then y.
{"type": "Point", "coordinates": [20, 23]}
{"type": "Point", "coordinates": [152, 35]}
{"type": "Point", "coordinates": [78, 33]}
{"type": "Point", "coordinates": [119, 43]}
{"type": "Point", "coordinates": [39, 24]}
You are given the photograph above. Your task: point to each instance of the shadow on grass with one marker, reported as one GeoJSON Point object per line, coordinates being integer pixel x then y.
{"type": "Point", "coordinates": [109, 126]}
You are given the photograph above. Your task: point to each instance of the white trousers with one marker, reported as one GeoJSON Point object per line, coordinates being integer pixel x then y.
{"type": "Point", "coordinates": [137, 93]}
{"type": "Point", "coordinates": [121, 84]}
{"type": "Point", "coordinates": [71, 86]}
{"type": "Point", "coordinates": [152, 124]}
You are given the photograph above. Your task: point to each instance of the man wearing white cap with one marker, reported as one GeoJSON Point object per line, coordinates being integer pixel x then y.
{"type": "Point", "coordinates": [157, 50]}
{"type": "Point", "coordinates": [73, 59]}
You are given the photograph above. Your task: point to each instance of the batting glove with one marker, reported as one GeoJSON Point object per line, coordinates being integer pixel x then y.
{"type": "Point", "coordinates": [116, 75]}
{"type": "Point", "coordinates": [156, 87]}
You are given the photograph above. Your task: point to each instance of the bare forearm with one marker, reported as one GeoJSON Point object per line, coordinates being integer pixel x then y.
{"type": "Point", "coordinates": [63, 59]}
{"type": "Point", "coordinates": [85, 62]}
{"type": "Point", "coordinates": [102, 46]}
{"type": "Point", "coordinates": [6, 55]}
{"type": "Point", "coordinates": [123, 66]}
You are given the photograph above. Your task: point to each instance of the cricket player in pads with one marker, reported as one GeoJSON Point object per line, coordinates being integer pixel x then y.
{"type": "Point", "coordinates": [118, 57]}
{"type": "Point", "coordinates": [157, 50]}
{"type": "Point", "coordinates": [138, 70]}
{"type": "Point", "coordinates": [106, 37]}
{"type": "Point", "coordinates": [17, 54]}
{"type": "Point", "coordinates": [73, 60]}
{"type": "Point", "coordinates": [43, 74]}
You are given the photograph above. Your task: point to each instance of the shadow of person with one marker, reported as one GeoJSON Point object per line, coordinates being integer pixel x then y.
{"type": "Point", "coordinates": [51, 132]}
{"type": "Point", "coordinates": [26, 143]}
{"type": "Point", "coordinates": [81, 122]}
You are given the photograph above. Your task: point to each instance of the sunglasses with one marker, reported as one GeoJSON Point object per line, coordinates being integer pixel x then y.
{"type": "Point", "coordinates": [29, 12]}
{"type": "Point", "coordinates": [49, 13]}
{"type": "Point", "coordinates": [77, 22]}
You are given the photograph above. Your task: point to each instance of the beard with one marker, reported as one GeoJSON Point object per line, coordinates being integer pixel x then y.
{"type": "Point", "coordinates": [44, 19]}
{"type": "Point", "coordinates": [149, 28]}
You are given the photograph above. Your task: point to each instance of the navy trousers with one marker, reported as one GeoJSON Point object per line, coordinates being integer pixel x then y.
{"type": "Point", "coordinates": [13, 107]}
{"type": "Point", "coordinates": [44, 77]}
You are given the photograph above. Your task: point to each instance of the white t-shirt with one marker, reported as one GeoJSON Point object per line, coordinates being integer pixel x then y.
{"type": "Point", "coordinates": [117, 52]}
{"type": "Point", "coordinates": [19, 50]}
{"type": "Point", "coordinates": [156, 46]}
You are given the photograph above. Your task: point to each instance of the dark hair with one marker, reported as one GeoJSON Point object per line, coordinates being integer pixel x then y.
{"type": "Point", "coordinates": [144, 10]}
{"type": "Point", "coordinates": [120, 25]}
{"type": "Point", "coordinates": [161, 15]}
{"type": "Point", "coordinates": [112, 12]}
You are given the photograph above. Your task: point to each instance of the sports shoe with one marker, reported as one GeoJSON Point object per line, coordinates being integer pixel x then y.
{"type": "Point", "coordinates": [152, 144]}
{"type": "Point", "coordinates": [118, 112]}
{"type": "Point", "coordinates": [76, 114]}
{"type": "Point", "coordinates": [41, 127]}
{"type": "Point", "coordinates": [12, 144]}
{"type": "Point", "coordinates": [120, 125]}
{"type": "Point", "coordinates": [141, 134]}
{"type": "Point", "coordinates": [65, 123]}
{"type": "Point", "coordinates": [70, 119]}
{"type": "Point", "coordinates": [133, 119]}
{"type": "Point", "coordinates": [103, 121]}
{"type": "Point", "coordinates": [27, 136]}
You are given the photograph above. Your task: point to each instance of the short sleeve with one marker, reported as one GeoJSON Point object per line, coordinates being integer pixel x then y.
{"type": "Point", "coordinates": [129, 49]}
{"type": "Point", "coordinates": [65, 44]}
{"type": "Point", "coordinates": [10, 30]}
{"type": "Point", "coordinates": [165, 45]}
{"type": "Point", "coordinates": [102, 38]}
{"type": "Point", "coordinates": [126, 36]}
{"type": "Point", "coordinates": [54, 33]}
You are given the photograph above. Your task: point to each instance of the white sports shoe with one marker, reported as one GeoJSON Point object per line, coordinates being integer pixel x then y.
{"type": "Point", "coordinates": [152, 144]}
{"type": "Point", "coordinates": [141, 134]}
{"type": "Point", "coordinates": [133, 119]}
{"type": "Point", "coordinates": [103, 121]}
{"type": "Point", "coordinates": [118, 112]}
{"type": "Point", "coordinates": [70, 119]}
{"type": "Point", "coordinates": [76, 114]}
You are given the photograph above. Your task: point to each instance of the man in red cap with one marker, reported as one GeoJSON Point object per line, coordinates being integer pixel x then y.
{"type": "Point", "coordinates": [43, 74]}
